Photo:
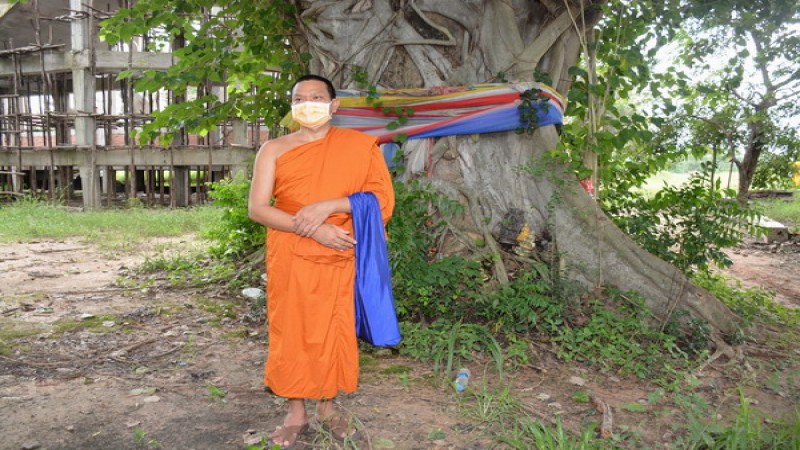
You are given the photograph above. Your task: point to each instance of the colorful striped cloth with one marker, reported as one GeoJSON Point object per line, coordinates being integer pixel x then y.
{"type": "Point", "coordinates": [443, 111]}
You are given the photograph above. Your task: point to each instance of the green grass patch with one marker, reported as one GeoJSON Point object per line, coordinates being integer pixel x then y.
{"type": "Point", "coordinates": [674, 179]}
{"type": "Point", "coordinates": [95, 324]}
{"type": "Point", "coordinates": [396, 369]}
{"type": "Point", "coordinates": [12, 329]}
{"type": "Point", "coordinates": [30, 220]}
{"type": "Point", "coordinates": [219, 310]}
{"type": "Point", "coordinates": [785, 211]}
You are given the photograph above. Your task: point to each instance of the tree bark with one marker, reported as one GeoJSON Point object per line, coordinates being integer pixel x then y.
{"type": "Point", "coordinates": [410, 43]}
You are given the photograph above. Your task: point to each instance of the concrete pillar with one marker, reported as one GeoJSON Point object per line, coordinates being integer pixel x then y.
{"type": "Point", "coordinates": [179, 186]}
{"type": "Point", "coordinates": [239, 137]}
{"type": "Point", "coordinates": [238, 132]}
{"type": "Point", "coordinates": [83, 91]}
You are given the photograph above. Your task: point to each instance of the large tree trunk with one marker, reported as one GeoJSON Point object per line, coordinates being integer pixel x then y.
{"type": "Point", "coordinates": [428, 43]}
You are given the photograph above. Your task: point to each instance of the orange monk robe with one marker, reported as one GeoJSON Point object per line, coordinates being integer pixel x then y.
{"type": "Point", "coordinates": [313, 352]}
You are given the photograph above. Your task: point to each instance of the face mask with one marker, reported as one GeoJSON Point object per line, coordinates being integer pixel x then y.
{"type": "Point", "coordinates": [311, 114]}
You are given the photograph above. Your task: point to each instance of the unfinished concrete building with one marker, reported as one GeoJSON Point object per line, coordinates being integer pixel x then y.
{"type": "Point", "coordinates": [66, 121]}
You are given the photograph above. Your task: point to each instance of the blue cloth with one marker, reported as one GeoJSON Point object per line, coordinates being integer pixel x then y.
{"type": "Point", "coordinates": [376, 319]}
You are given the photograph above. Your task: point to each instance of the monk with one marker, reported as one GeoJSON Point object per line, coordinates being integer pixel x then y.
{"type": "Point", "coordinates": [299, 192]}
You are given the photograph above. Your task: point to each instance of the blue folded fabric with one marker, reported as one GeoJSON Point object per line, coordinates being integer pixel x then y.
{"type": "Point", "coordinates": [376, 318]}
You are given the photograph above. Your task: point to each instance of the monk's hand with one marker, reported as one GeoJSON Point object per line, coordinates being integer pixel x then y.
{"type": "Point", "coordinates": [334, 237]}
{"type": "Point", "coordinates": [309, 218]}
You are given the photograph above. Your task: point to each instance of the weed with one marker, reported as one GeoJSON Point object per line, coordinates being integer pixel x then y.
{"type": "Point", "coordinates": [491, 405]}
{"type": "Point", "coordinates": [527, 433]}
{"type": "Point", "coordinates": [436, 434]}
{"type": "Point", "coordinates": [446, 344]}
{"type": "Point", "coordinates": [95, 324]}
{"type": "Point", "coordinates": [216, 394]}
{"type": "Point", "coordinates": [219, 311]}
{"type": "Point", "coordinates": [581, 396]}
{"type": "Point", "coordinates": [141, 441]}
{"type": "Point", "coordinates": [396, 370]}
{"type": "Point", "coordinates": [11, 329]}
{"type": "Point", "coordinates": [748, 303]}
{"type": "Point", "coordinates": [749, 430]}
{"type": "Point", "coordinates": [616, 337]}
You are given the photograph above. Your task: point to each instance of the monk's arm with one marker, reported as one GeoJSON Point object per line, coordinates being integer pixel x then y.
{"type": "Point", "coordinates": [259, 203]}
{"type": "Point", "coordinates": [311, 217]}
{"type": "Point", "coordinates": [260, 207]}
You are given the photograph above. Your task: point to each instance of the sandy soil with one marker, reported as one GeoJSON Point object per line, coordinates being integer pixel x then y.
{"type": "Point", "coordinates": [182, 368]}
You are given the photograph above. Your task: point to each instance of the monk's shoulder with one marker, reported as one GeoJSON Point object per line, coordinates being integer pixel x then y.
{"type": "Point", "coordinates": [357, 137]}
{"type": "Point", "coordinates": [274, 148]}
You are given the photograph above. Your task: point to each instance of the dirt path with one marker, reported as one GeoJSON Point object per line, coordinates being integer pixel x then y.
{"type": "Point", "coordinates": [88, 364]}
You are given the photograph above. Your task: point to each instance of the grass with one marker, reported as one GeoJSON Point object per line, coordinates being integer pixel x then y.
{"type": "Point", "coordinates": [28, 220]}
{"type": "Point", "coordinates": [784, 211]}
{"type": "Point", "coordinates": [657, 181]}
{"type": "Point", "coordinates": [11, 329]}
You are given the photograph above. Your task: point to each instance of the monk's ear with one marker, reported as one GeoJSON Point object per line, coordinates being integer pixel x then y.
{"type": "Point", "coordinates": [334, 105]}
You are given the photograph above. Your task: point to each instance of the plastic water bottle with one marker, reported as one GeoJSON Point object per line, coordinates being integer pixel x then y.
{"type": "Point", "coordinates": [462, 379]}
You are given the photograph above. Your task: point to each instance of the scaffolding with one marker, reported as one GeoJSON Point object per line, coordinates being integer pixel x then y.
{"type": "Point", "coordinates": [66, 119]}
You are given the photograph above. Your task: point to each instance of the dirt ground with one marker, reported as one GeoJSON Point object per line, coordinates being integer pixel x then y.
{"type": "Point", "coordinates": [90, 361]}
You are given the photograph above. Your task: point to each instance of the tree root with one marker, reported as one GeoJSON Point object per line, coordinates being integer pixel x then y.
{"type": "Point", "coordinates": [474, 206]}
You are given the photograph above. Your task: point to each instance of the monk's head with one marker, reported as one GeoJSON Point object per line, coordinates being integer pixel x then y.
{"type": "Point", "coordinates": [318, 79]}
{"type": "Point", "coordinates": [313, 101]}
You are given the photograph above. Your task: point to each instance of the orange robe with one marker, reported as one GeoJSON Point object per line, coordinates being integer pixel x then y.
{"type": "Point", "coordinates": [313, 352]}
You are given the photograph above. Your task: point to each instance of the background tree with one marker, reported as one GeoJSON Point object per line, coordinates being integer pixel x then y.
{"type": "Point", "coordinates": [742, 82]}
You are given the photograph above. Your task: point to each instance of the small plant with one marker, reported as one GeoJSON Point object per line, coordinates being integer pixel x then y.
{"type": "Point", "coordinates": [216, 393]}
{"type": "Point", "coordinates": [616, 337]}
{"type": "Point", "coordinates": [492, 405]}
{"type": "Point", "coordinates": [528, 433]}
{"type": "Point", "coordinates": [581, 396]}
{"type": "Point", "coordinates": [141, 441]}
{"type": "Point", "coordinates": [750, 430]}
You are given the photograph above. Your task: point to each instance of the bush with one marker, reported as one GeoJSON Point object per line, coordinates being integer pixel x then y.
{"type": "Point", "coordinates": [235, 234]}
{"type": "Point", "coordinates": [689, 225]}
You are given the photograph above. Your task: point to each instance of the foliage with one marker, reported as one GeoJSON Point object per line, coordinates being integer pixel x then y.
{"type": "Point", "coordinates": [425, 289]}
{"type": "Point", "coordinates": [601, 120]}
{"type": "Point", "coordinates": [213, 42]}
{"type": "Point", "coordinates": [776, 169]}
{"type": "Point", "coordinates": [749, 430]}
{"type": "Point", "coordinates": [689, 225]}
{"type": "Point", "coordinates": [529, 433]}
{"type": "Point", "coordinates": [523, 306]}
{"type": "Point", "coordinates": [234, 234]}
{"type": "Point", "coordinates": [749, 304]}
{"type": "Point", "coordinates": [738, 91]}
{"type": "Point", "coordinates": [614, 336]}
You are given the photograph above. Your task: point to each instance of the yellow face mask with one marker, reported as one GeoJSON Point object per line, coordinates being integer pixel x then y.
{"type": "Point", "coordinates": [311, 114]}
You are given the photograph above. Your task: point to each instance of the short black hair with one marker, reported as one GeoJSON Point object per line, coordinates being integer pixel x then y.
{"type": "Point", "coordinates": [311, 76]}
